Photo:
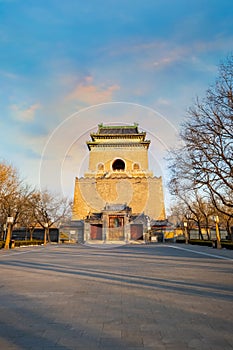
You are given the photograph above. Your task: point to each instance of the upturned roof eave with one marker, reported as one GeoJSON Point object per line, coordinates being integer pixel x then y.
{"type": "Point", "coordinates": [99, 144]}
{"type": "Point", "coordinates": [101, 136]}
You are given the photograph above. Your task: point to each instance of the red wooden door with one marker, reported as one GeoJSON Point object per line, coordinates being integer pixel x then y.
{"type": "Point", "coordinates": [136, 231]}
{"type": "Point", "coordinates": [116, 228]}
{"type": "Point", "coordinates": [96, 232]}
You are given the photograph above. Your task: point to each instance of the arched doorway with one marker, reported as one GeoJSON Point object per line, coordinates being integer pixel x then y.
{"type": "Point", "coordinates": [118, 164]}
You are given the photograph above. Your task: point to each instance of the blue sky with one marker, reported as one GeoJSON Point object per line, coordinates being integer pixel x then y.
{"type": "Point", "coordinates": [59, 58]}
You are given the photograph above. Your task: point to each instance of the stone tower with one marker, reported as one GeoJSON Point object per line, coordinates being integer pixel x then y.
{"type": "Point", "coordinates": [118, 173]}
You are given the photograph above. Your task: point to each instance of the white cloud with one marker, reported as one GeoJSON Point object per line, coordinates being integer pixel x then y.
{"type": "Point", "coordinates": [91, 94]}
{"type": "Point", "coordinates": [8, 75]}
{"type": "Point", "coordinates": [25, 114]}
{"type": "Point", "coordinates": [163, 102]}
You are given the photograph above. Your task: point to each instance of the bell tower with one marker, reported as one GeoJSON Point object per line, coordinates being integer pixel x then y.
{"type": "Point", "coordinates": [118, 173]}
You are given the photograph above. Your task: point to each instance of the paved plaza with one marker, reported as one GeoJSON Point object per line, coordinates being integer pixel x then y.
{"type": "Point", "coordinates": [130, 297]}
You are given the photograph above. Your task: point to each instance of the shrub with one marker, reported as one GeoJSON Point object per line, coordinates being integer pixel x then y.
{"type": "Point", "coordinates": [22, 243]}
{"type": "Point", "coordinates": [227, 245]}
{"type": "Point", "coordinates": [202, 242]}
{"type": "Point", "coordinates": [28, 243]}
{"type": "Point", "coordinates": [180, 239]}
{"type": "Point", "coordinates": [208, 243]}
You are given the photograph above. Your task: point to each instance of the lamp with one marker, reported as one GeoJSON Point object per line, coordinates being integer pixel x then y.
{"type": "Point", "coordinates": [9, 221]}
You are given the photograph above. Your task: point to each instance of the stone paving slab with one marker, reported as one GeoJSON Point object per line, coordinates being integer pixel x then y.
{"type": "Point", "coordinates": [135, 297]}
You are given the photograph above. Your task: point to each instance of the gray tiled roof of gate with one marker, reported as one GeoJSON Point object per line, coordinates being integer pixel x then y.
{"type": "Point", "coordinates": [116, 207]}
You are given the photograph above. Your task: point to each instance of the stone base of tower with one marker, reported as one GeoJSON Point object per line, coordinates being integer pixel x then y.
{"type": "Point", "coordinates": [141, 194]}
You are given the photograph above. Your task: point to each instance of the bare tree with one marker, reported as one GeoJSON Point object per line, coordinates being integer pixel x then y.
{"type": "Point", "coordinates": [50, 209]}
{"type": "Point", "coordinates": [13, 193]}
{"type": "Point", "coordinates": [13, 198]}
{"type": "Point", "coordinates": [28, 218]}
{"type": "Point", "coordinates": [26, 206]}
{"type": "Point", "coordinates": [204, 164]}
{"type": "Point", "coordinates": [208, 138]}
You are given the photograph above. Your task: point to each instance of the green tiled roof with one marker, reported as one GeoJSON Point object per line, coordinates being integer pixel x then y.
{"type": "Point", "coordinates": [118, 129]}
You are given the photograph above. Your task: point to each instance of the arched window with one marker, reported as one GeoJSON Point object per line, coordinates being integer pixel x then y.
{"type": "Point", "coordinates": [136, 166]}
{"type": "Point", "coordinates": [118, 164]}
{"type": "Point", "coordinates": [100, 166]}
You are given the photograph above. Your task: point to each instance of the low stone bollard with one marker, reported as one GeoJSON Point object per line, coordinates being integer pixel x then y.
{"type": "Point", "coordinates": [214, 243]}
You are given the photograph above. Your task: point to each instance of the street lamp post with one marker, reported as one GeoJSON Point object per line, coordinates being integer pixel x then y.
{"type": "Point", "coordinates": [186, 232]}
{"type": "Point", "coordinates": [216, 220]}
{"type": "Point", "coordinates": [9, 222]}
{"type": "Point", "coordinates": [4, 231]}
{"type": "Point", "coordinates": [147, 234]}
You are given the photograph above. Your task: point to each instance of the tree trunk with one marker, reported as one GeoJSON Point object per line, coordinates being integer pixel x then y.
{"type": "Point", "coordinates": [231, 232]}
{"type": "Point", "coordinates": [31, 233]}
{"type": "Point", "coordinates": [207, 228]}
{"type": "Point", "coordinates": [199, 230]}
